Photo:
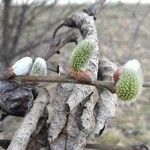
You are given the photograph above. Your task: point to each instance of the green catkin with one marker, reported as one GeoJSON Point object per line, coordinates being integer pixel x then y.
{"type": "Point", "coordinates": [81, 55]}
{"type": "Point", "coordinates": [130, 83]}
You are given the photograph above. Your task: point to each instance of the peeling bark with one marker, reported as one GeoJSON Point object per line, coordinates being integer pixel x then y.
{"type": "Point", "coordinates": [70, 130]}
{"type": "Point", "coordinates": [107, 101]}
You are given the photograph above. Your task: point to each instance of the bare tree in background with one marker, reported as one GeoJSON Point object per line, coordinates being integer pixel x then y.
{"type": "Point", "coordinates": [19, 30]}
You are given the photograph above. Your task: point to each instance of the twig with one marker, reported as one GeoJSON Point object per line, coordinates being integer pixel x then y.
{"type": "Point", "coordinates": [22, 136]}
{"type": "Point", "coordinates": [57, 43]}
{"type": "Point", "coordinates": [52, 79]}
{"type": "Point", "coordinates": [56, 30]}
{"type": "Point", "coordinates": [146, 84]}
{"type": "Point", "coordinates": [105, 84]}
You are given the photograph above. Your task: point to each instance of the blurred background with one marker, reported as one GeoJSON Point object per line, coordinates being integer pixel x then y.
{"type": "Point", "coordinates": [26, 28]}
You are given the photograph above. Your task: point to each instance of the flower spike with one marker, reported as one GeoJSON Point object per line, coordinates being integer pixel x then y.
{"type": "Point", "coordinates": [22, 66]}
{"type": "Point", "coordinates": [130, 82]}
{"type": "Point", "coordinates": [81, 55]}
{"type": "Point", "coordinates": [39, 67]}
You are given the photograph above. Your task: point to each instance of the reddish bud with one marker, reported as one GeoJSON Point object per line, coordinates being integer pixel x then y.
{"type": "Point", "coordinates": [84, 76]}
{"type": "Point", "coordinates": [117, 74]}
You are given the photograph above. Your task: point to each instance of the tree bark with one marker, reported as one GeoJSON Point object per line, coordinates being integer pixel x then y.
{"type": "Point", "coordinates": [22, 136]}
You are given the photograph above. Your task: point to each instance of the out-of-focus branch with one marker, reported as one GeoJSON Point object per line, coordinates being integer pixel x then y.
{"type": "Point", "coordinates": [92, 9]}
{"type": "Point", "coordinates": [42, 38]}
{"type": "Point", "coordinates": [5, 29]}
{"type": "Point", "coordinates": [55, 46]}
{"type": "Point", "coordinates": [22, 136]}
{"type": "Point", "coordinates": [16, 21]}
{"type": "Point", "coordinates": [19, 28]}
{"type": "Point", "coordinates": [57, 43]}
{"type": "Point", "coordinates": [31, 45]}
{"type": "Point", "coordinates": [115, 147]}
{"type": "Point", "coordinates": [137, 23]}
{"type": "Point", "coordinates": [146, 84]}
{"type": "Point", "coordinates": [38, 40]}
{"type": "Point", "coordinates": [37, 13]}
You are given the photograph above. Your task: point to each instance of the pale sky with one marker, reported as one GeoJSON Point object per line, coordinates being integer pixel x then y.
{"type": "Point", "coordinates": [83, 1]}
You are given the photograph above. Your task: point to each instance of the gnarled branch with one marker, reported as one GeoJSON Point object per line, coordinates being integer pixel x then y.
{"type": "Point", "coordinates": [21, 138]}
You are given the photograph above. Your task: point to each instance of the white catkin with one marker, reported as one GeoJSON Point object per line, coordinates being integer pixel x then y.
{"type": "Point", "coordinates": [23, 66]}
{"type": "Point", "coordinates": [39, 67]}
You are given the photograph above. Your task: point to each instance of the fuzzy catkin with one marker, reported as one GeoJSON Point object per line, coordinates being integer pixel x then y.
{"type": "Point", "coordinates": [22, 66]}
{"type": "Point", "coordinates": [81, 55]}
{"type": "Point", "coordinates": [129, 85]}
{"type": "Point", "coordinates": [39, 67]}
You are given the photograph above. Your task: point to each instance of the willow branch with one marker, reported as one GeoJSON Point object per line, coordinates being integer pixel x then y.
{"type": "Point", "coordinates": [146, 84]}
{"type": "Point", "coordinates": [52, 79]}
